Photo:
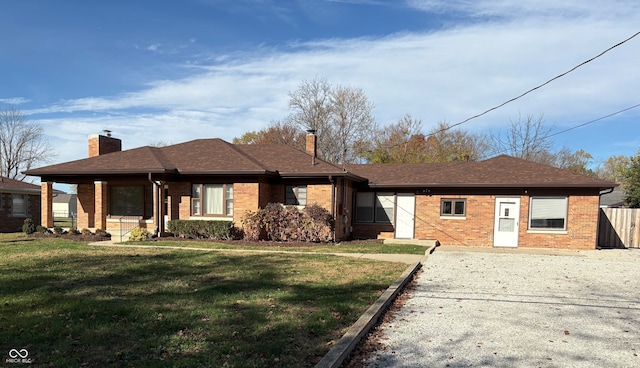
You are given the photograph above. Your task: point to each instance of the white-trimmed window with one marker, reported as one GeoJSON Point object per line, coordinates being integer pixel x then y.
{"type": "Point", "coordinates": [19, 204]}
{"type": "Point", "coordinates": [295, 195]}
{"type": "Point", "coordinates": [548, 213]}
{"type": "Point", "coordinates": [212, 200]}
{"type": "Point", "coordinates": [375, 207]}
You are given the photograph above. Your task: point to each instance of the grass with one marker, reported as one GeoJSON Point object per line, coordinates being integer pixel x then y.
{"type": "Point", "coordinates": [319, 248]}
{"type": "Point", "coordinates": [70, 304]}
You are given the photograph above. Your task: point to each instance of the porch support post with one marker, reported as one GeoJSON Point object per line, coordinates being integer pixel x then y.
{"type": "Point", "coordinates": [46, 202]}
{"type": "Point", "coordinates": [100, 205]}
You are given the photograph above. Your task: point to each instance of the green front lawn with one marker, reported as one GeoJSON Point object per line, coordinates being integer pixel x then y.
{"type": "Point", "coordinates": [73, 305]}
{"type": "Point", "coordinates": [346, 247]}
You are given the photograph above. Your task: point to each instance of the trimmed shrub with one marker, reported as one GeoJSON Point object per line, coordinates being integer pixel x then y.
{"type": "Point", "coordinates": [58, 230]}
{"type": "Point", "coordinates": [252, 226]}
{"type": "Point", "coordinates": [201, 229]}
{"type": "Point", "coordinates": [28, 227]}
{"type": "Point", "coordinates": [86, 231]}
{"type": "Point", "coordinates": [42, 230]}
{"type": "Point", "coordinates": [139, 234]}
{"type": "Point", "coordinates": [287, 223]}
{"type": "Point", "coordinates": [104, 233]}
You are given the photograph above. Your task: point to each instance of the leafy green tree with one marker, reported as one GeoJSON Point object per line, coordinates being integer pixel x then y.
{"type": "Point", "coordinates": [276, 133]}
{"type": "Point", "coordinates": [631, 182]}
{"type": "Point", "coordinates": [403, 142]}
{"type": "Point", "coordinates": [613, 168]}
{"type": "Point", "coordinates": [577, 161]}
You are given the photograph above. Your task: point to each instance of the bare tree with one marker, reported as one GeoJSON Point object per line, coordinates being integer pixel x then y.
{"type": "Point", "coordinates": [22, 144]}
{"type": "Point", "coordinates": [341, 117]}
{"type": "Point", "coordinates": [311, 110]}
{"type": "Point", "coordinates": [351, 121]}
{"type": "Point", "coordinates": [401, 142]}
{"type": "Point", "coordinates": [528, 139]}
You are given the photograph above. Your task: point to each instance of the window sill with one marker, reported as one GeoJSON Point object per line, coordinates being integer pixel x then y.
{"type": "Point", "coordinates": [553, 232]}
{"type": "Point", "coordinates": [453, 217]}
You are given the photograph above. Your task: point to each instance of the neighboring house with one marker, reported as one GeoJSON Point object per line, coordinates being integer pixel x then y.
{"type": "Point", "coordinates": [18, 201]}
{"type": "Point", "coordinates": [502, 201]}
{"type": "Point", "coordinates": [64, 205]}
{"type": "Point", "coordinates": [613, 199]}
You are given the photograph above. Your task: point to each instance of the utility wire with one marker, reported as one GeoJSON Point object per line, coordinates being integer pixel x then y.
{"type": "Point", "coordinates": [594, 120]}
{"type": "Point", "coordinates": [543, 84]}
{"type": "Point", "coordinates": [531, 90]}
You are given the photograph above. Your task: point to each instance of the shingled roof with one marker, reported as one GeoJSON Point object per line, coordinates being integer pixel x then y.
{"type": "Point", "coordinates": [501, 171]}
{"type": "Point", "coordinates": [7, 185]}
{"type": "Point", "coordinates": [202, 156]}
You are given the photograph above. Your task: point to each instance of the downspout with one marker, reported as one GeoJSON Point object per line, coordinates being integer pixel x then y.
{"type": "Point", "coordinates": [158, 210]}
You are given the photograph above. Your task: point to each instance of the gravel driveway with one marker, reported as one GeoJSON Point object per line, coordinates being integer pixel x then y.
{"type": "Point", "coordinates": [489, 309]}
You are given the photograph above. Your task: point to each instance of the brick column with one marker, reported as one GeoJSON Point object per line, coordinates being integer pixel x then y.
{"type": "Point", "coordinates": [46, 201]}
{"type": "Point", "coordinates": [101, 204]}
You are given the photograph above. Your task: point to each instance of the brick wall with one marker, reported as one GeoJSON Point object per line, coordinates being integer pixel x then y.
{"type": "Point", "coordinates": [478, 226]}
{"type": "Point", "coordinates": [86, 206]}
{"type": "Point", "coordinates": [320, 194]}
{"type": "Point", "coordinates": [179, 201]}
{"type": "Point", "coordinates": [246, 197]}
{"type": "Point", "coordinates": [373, 231]}
{"type": "Point", "coordinates": [9, 223]}
{"type": "Point", "coordinates": [475, 230]}
{"type": "Point", "coordinates": [581, 231]}
{"type": "Point", "coordinates": [100, 202]}
{"type": "Point", "coordinates": [46, 204]}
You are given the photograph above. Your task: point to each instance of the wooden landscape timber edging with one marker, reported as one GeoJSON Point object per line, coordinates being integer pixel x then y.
{"type": "Point", "coordinates": [341, 351]}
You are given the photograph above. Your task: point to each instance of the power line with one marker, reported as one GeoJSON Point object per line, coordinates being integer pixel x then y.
{"type": "Point", "coordinates": [594, 120]}
{"type": "Point", "coordinates": [533, 89]}
{"type": "Point", "coordinates": [543, 84]}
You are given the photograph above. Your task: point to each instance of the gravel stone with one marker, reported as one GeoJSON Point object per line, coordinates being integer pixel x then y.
{"type": "Point", "coordinates": [488, 309]}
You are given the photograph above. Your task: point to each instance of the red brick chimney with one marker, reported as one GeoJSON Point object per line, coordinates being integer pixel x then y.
{"type": "Point", "coordinates": [102, 144]}
{"type": "Point", "coordinates": [312, 145]}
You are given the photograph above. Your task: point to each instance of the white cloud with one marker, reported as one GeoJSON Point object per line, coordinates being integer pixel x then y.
{"type": "Point", "coordinates": [450, 74]}
{"type": "Point", "coordinates": [14, 100]}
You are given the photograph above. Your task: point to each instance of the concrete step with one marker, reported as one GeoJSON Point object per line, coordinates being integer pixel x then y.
{"type": "Point", "coordinates": [422, 242]}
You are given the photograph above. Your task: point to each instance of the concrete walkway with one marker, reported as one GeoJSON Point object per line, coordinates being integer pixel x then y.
{"type": "Point", "coordinates": [399, 258]}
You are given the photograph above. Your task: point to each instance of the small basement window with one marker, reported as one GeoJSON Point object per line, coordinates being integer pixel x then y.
{"type": "Point", "coordinates": [453, 207]}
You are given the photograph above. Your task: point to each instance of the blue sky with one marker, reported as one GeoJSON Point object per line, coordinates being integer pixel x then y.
{"type": "Point", "coordinates": [172, 71]}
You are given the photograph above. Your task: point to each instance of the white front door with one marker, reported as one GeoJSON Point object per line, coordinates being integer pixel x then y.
{"type": "Point", "coordinates": [405, 214]}
{"type": "Point", "coordinates": [507, 217]}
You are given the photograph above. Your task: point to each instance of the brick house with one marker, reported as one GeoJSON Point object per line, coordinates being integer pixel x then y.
{"type": "Point", "coordinates": [18, 201]}
{"type": "Point", "coordinates": [502, 201]}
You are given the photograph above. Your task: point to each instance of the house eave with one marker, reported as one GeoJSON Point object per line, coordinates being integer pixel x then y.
{"type": "Point", "coordinates": [484, 186]}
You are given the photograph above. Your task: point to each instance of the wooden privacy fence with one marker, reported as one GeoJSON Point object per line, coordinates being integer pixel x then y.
{"type": "Point", "coordinates": [619, 228]}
